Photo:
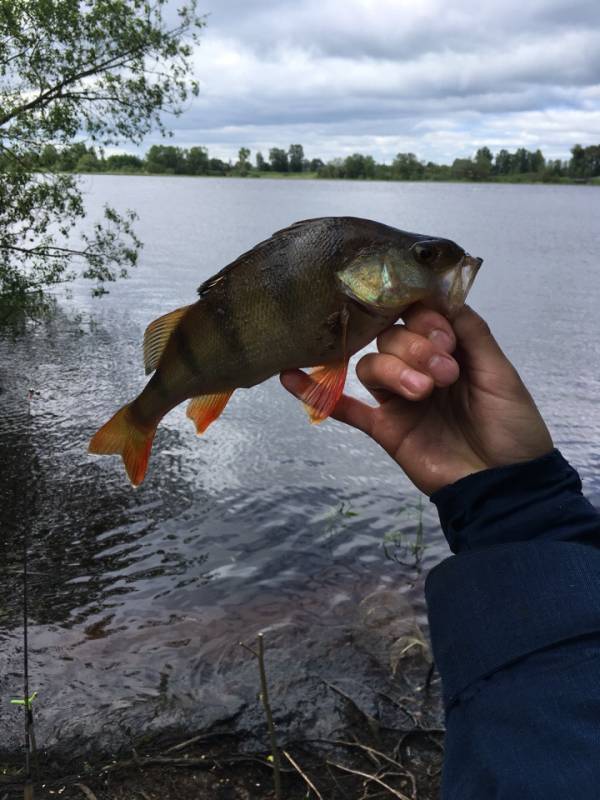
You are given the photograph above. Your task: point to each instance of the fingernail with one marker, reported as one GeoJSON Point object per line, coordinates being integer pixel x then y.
{"type": "Point", "coordinates": [415, 381]}
{"type": "Point", "coordinates": [442, 368]}
{"type": "Point", "coordinates": [441, 339]}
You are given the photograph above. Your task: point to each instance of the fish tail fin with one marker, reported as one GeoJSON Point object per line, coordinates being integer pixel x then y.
{"type": "Point", "coordinates": [133, 443]}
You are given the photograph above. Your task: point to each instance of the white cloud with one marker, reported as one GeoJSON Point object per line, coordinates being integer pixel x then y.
{"type": "Point", "coordinates": [381, 76]}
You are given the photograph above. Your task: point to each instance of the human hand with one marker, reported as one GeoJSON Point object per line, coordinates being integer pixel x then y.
{"type": "Point", "coordinates": [441, 416]}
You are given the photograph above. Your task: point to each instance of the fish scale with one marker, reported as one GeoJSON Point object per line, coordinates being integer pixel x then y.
{"type": "Point", "coordinates": [310, 296]}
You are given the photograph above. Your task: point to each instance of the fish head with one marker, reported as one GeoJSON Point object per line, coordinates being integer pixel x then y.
{"type": "Point", "coordinates": [454, 284]}
{"type": "Point", "coordinates": [453, 272]}
{"type": "Point", "coordinates": [389, 279]}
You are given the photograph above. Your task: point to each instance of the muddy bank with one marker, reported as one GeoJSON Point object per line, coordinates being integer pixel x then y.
{"type": "Point", "coordinates": [388, 743]}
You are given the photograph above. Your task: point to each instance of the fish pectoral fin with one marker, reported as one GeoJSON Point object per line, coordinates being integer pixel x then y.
{"type": "Point", "coordinates": [327, 385]}
{"type": "Point", "coordinates": [206, 409]}
{"type": "Point", "coordinates": [157, 335]}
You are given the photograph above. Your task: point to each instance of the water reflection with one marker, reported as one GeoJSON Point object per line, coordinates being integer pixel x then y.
{"type": "Point", "coordinates": [139, 598]}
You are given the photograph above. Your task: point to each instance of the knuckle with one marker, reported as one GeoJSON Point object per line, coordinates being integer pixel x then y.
{"type": "Point", "coordinates": [418, 350]}
{"type": "Point", "coordinates": [389, 373]}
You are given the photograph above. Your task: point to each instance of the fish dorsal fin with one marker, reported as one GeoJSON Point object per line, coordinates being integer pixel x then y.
{"type": "Point", "coordinates": [157, 335]}
{"type": "Point", "coordinates": [259, 251]}
{"type": "Point", "coordinates": [205, 287]}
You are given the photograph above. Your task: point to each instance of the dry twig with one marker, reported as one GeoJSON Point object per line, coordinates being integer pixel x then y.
{"type": "Point", "coordinates": [183, 745]}
{"type": "Point", "coordinates": [372, 751]}
{"type": "Point", "coordinates": [264, 696]}
{"type": "Point", "coordinates": [368, 777]}
{"type": "Point", "coordinates": [204, 763]}
{"type": "Point", "coordinates": [86, 791]}
{"type": "Point", "coordinates": [305, 777]}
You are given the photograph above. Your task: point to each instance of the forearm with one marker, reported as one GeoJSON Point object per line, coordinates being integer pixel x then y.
{"type": "Point", "coordinates": [515, 627]}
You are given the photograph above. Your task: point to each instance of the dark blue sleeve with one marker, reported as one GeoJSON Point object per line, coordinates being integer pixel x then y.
{"type": "Point", "coordinates": [515, 626]}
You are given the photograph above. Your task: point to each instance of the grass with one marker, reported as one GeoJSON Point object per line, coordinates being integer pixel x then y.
{"type": "Point", "coordinates": [294, 176]}
{"type": "Point", "coordinates": [528, 178]}
{"type": "Point", "coordinates": [399, 545]}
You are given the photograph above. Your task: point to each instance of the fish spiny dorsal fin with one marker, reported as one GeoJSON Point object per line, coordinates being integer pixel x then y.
{"type": "Point", "coordinates": [157, 335]}
{"type": "Point", "coordinates": [259, 250]}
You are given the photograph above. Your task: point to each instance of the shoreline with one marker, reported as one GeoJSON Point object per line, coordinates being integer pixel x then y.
{"type": "Point", "coordinates": [312, 176]}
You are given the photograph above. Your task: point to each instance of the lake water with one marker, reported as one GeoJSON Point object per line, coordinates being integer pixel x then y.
{"type": "Point", "coordinates": [139, 598]}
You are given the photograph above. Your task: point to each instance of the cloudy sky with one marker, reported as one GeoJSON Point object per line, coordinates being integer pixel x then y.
{"type": "Point", "coordinates": [435, 77]}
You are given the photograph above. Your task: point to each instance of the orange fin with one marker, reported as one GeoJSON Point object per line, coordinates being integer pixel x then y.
{"type": "Point", "coordinates": [326, 389]}
{"type": "Point", "coordinates": [157, 335]}
{"type": "Point", "coordinates": [121, 435]}
{"type": "Point", "coordinates": [206, 409]}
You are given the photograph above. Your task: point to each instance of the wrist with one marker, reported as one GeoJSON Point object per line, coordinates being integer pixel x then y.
{"type": "Point", "coordinates": [518, 502]}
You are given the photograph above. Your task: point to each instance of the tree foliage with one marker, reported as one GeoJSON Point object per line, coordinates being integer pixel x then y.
{"type": "Point", "coordinates": [523, 164]}
{"type": "Point", "coordinates": [261, 164]}
{"type": "Point", "coordinates": [278, 159]}
{"type": "Point", "coordinates": [585, 161]}
{"type": "Point", "coordinates": [243, 165]}
{"type": "Point", "coordinates": [296, 158]}
{"type": "Point", "coordinates": [406, 166]}
{"type": "Point", "coordinates": [106, 70]}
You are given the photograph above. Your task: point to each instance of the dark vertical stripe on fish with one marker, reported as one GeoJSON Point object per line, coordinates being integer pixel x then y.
{"type": "Point", "coordinates": [184, 346]}
{"type": "Point", "coordinates": [231, 332]}
{"type": "Point", "coordinates": [282, 299]}
{"type": "Point", "coordinates": [156, 394]}
{"type": "Point", "coordinates": [159, 386]}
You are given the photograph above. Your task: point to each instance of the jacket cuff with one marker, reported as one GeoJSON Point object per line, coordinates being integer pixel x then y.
{"type": "Point", "coordinates": [540, 498]}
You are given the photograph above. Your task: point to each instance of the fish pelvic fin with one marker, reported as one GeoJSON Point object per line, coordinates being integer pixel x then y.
{"type": "Point", "coordinates": [327, 386]}
{"type": "Point", "coordinates": [133, 443]}
{"type": "Point", "coordinates": [206, 409]}
{"type": "Point", "coordinates": [157, 335]}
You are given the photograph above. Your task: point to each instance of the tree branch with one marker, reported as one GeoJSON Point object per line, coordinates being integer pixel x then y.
{"type": "Point", "coordinates": [45, 250]}
{"type": "Point", "coordinates": [55, 92]}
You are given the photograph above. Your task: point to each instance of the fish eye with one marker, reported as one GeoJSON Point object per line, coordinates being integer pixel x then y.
{"type": "Point", "coordinates": [425, 253]}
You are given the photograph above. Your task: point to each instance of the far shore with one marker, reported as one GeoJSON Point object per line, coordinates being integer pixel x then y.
{"type": "Point", "coordinates": [309, 176]}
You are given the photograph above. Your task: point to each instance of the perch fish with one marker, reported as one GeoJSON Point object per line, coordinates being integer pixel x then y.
{"type": "Point", "coordinates": [312, 295]}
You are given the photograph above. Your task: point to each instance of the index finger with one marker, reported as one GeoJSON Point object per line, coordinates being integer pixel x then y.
{"type": "Point", "coordinates": [430, 324]}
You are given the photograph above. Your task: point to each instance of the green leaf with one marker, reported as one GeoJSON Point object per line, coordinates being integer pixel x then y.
{"type": "Point", "coordinates": [69, 69]}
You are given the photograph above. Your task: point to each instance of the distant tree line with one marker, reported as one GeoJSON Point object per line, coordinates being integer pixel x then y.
{"type": "Point", "coordinates": [521, 165]}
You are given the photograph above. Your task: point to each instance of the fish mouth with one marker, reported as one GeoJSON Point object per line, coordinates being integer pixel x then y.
{"type": "Point", "coordinates": [455, 283]}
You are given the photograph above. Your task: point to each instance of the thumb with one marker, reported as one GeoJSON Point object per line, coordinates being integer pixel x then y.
{"type": "Point", "coordinates": [478, 347]}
